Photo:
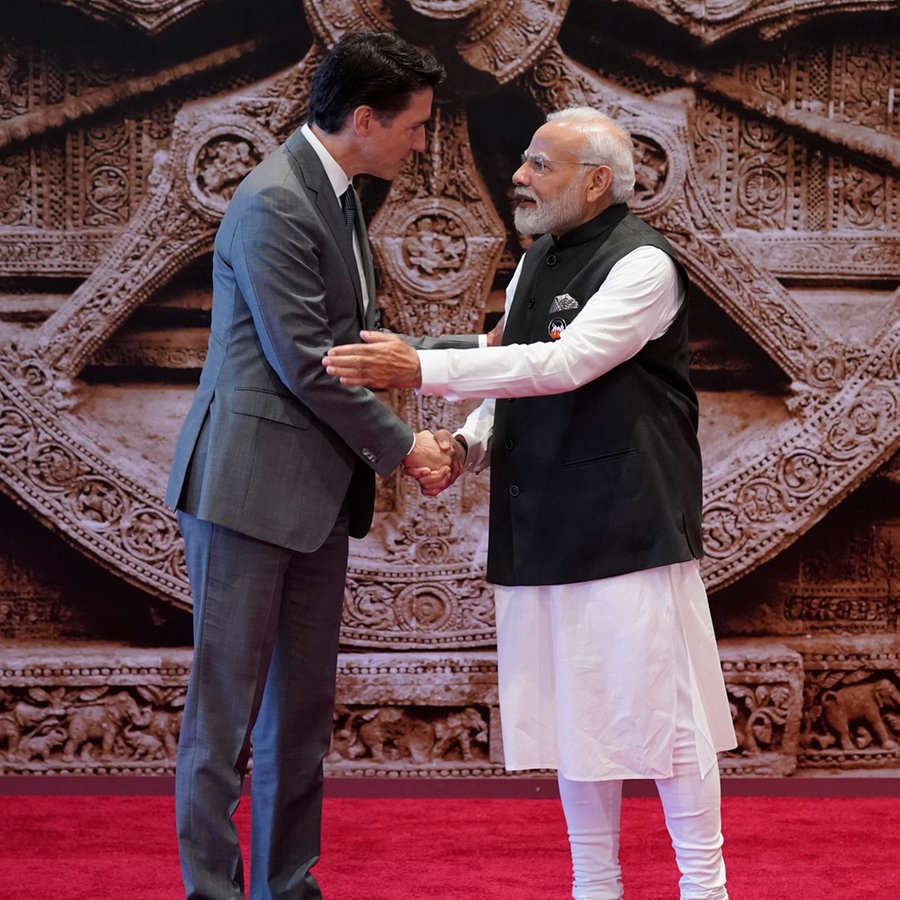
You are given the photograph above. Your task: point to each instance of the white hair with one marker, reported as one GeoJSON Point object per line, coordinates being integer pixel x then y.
{"type": "Point", "coordinates": [609, 144]}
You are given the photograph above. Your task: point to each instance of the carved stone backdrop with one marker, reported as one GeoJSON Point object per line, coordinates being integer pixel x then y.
{"type": "Point", "coordinates": [768, 139]}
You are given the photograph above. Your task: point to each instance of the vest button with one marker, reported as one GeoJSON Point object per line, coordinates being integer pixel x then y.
{"type": "Point", "coordinates": [509, 443]}
{"type": "Point", "coordinates": [514, 490]}
{"type": "Point", "coordinates": [551, 259]}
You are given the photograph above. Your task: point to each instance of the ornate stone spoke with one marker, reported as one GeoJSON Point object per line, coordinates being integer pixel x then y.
{"type": "Point", "coordinates": [83, 496]}
{"type": "Point", "coordinates": [437, 238]}
{"type": "Point", "coordinates": [759, 304]}
{"type": "Point", "coordinates": [136, 267]}
{"type": "Point", "coordinates": [810, 466]}
{"type": "Point", "coordinates": [713, 20]}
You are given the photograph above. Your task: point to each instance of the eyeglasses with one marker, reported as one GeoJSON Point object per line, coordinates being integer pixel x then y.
{"type": "Point", "coordinates": [541, 165]}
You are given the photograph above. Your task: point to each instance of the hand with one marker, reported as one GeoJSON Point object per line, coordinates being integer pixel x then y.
{"type": "Point", "coordinates": [384, 361]}
{"type": "Point", "coordinates": [495, 335]}
{"type": "Point", "coordinates": [428, 454]}
{"type": "Point", "coordinates": [432, 481]}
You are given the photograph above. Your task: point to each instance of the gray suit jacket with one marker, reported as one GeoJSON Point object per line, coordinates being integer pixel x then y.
{"type": "Point", "coordinates": [273, 444]}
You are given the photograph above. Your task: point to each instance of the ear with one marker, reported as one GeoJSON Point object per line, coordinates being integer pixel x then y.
{"type": "Point", "coordinates": [363, 118]}
{"type": "Point", "coordinates": [600, 182]}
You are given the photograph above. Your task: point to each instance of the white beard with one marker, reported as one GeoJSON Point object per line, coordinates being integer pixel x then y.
{"type": "Point", "coordinates": [556, 216]}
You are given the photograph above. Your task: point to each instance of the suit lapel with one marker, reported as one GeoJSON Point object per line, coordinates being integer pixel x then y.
{"type": "Point", "coordinates": [314, 179]}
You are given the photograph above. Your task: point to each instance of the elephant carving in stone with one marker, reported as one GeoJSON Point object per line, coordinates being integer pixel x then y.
{"type": "Point", "coordinates": [28, 719]}
{"type": "Point", "coordinates": [391, 732]}
{"type": "Point", "coordinates": [102, 722]}
{"type": "Point", "coordinates": [42, 744]}
{"type": "Point", "coordinates": [159, 739]}
{"type": "Point", "coordinates": [855, 705]}
{"type": "Point", "coordinates": [459, 729]}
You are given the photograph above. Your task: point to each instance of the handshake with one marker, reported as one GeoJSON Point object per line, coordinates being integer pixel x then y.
{"type": "Point", "coordinates": [384, 360]}
{"type": "Point", "coordinates": [435, 461]}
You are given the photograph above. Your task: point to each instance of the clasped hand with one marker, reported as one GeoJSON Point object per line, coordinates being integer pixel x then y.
{"type": "Point", "coordinates": [386, 361]}
{"type": "Point", "coordinates": [435, 461]}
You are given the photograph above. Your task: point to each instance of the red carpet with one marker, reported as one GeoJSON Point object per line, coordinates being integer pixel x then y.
{"type": "Point", "coordinates": [777, 848]}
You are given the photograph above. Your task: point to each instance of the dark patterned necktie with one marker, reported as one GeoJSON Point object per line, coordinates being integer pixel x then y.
{"type": "Point", "coordinates": [348, 207]}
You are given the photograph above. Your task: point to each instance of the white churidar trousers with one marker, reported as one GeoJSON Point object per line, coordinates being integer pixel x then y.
{"type": "Point", "coordinates": [613, 679]}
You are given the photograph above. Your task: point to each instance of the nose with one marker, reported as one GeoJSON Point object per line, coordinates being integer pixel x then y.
{"type": "Point", "coordinates": [522, 174]}
{"type": "Point", "coordinates": [418, 142]}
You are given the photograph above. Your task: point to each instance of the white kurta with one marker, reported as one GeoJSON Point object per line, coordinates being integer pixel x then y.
{"type": "Point", "coordinates": [588, 674]}
{"type": "Point", "coordinates": [588, 671]}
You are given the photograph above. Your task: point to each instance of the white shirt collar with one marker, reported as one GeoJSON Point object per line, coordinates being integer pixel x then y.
{"type": "Point", "coordinates": [336, 175]}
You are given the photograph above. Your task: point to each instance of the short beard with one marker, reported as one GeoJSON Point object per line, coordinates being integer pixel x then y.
{"type": "Point", "coordinates": [553, 216]}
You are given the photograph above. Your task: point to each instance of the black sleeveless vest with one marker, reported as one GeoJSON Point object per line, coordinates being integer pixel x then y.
{"type": "Point", "coordinates": [605, 479]}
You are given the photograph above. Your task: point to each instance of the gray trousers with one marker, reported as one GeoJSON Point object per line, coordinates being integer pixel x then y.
{"type": "Point", "coordinates": [266, 630]}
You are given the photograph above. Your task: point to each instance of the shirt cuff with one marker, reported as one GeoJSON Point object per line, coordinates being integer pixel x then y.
{"type": "Point", "coordinates": [434, 370]}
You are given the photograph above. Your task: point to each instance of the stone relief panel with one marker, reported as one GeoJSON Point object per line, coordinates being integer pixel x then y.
{"type": "Point", "coordinates": [764, 681]}
{"type": "Point", "coordinates": [107, 713]}
{"type": "Point", "coordinates": [851, 717]}
{"type": "Point", "coordinates": [116, 711]}
{"type": "Point", "coordinates": [802, 707]}
{"type": "Point", "coordinates": [773, 169]}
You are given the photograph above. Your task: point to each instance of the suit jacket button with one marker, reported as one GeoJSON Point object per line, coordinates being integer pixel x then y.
{"type": "Point", "coordinates": [514, 490]}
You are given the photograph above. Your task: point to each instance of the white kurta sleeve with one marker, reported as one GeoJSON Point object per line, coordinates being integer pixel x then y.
{"type": "Point", "coordinates": [635, 304]}
{"type": "Point", "coordinates": [477, 431]}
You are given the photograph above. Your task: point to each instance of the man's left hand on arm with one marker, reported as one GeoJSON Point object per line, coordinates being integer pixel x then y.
{"type": "Point", "coordinates": [384, 361]}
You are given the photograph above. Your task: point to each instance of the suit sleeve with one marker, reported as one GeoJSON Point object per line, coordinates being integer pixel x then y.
{"type": "Point", "coordinates": [444, 342]}
{"type": "Point", "coordinates": [297, 286]}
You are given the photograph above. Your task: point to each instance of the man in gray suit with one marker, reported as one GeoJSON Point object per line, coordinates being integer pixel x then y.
{"type": "Point", "coordinates": [274, 469]}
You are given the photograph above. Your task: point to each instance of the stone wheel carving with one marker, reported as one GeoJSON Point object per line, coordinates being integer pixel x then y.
{"type": "Point", "coordinates": [722, 184]}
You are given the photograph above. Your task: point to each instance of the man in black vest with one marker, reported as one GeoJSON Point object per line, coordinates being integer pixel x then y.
{"type": "Point", "coordinates": [608, 664]}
